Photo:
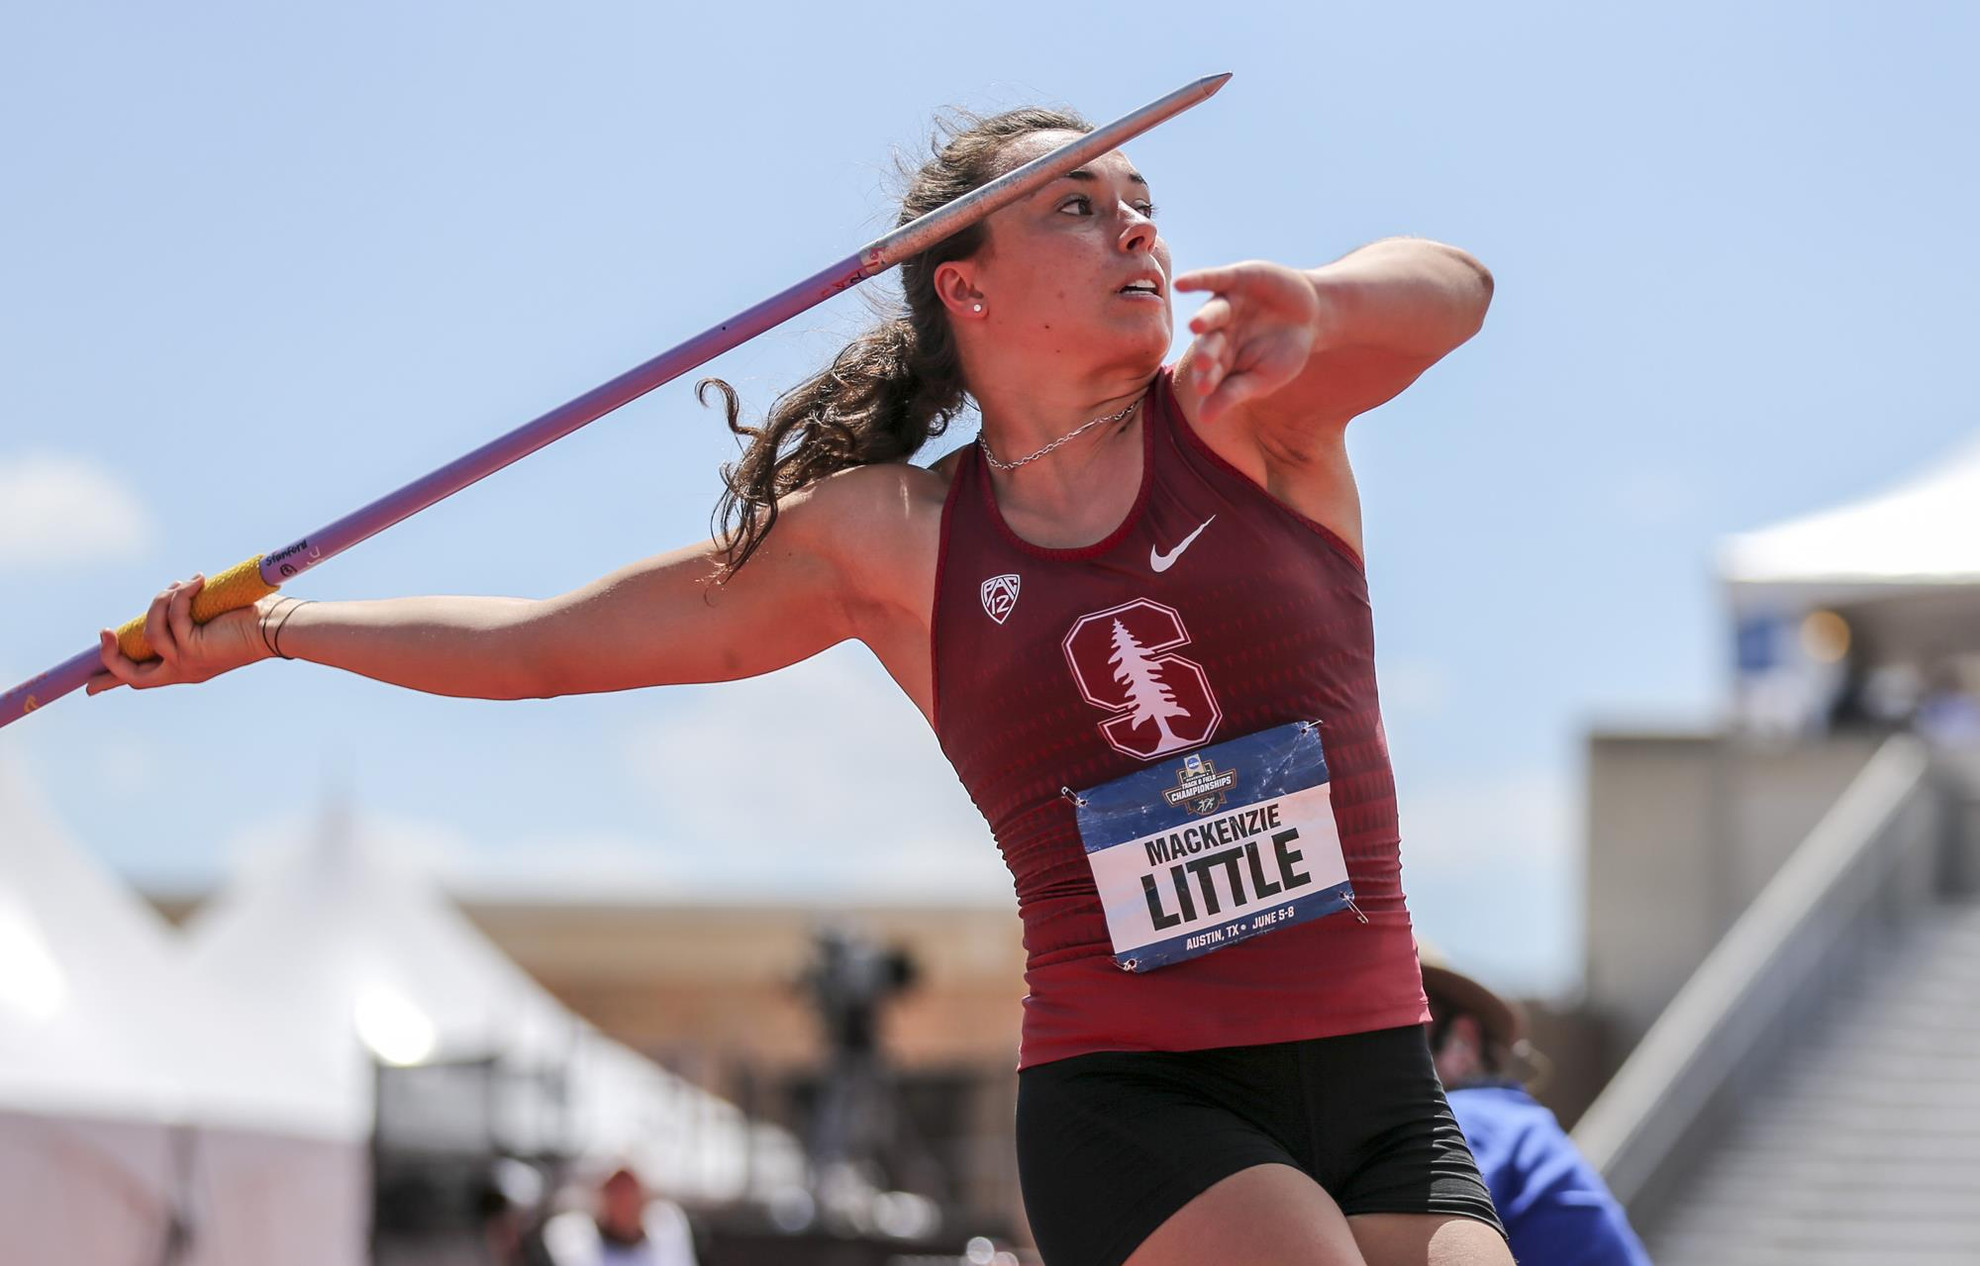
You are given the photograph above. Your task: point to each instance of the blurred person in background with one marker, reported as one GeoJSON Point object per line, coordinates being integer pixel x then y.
{"type": "Point", "coordinates": [1556, 1208]}
{"type": "Point", "coordinates": [1950, 713]}
{"type": "Point", "coordinates": [625, 1227]}
{"type": "Point", "coordinates": [506, 1205]}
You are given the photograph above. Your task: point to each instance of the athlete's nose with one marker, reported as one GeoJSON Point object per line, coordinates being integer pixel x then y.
{"type": "Point", "coordinates": [1139, 235]}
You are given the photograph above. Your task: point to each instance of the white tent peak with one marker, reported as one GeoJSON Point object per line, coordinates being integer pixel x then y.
{"type": "Point", "coordinates": [136, 1103]}
{"type": "Point", "coordinates": [82, 956]}
{"type": "Point", "coordinates": [1922, 532]}
{"type": "Point", "coordinates": [354, 947]}
{"type": "Point", "coordinates": [108, 1018]}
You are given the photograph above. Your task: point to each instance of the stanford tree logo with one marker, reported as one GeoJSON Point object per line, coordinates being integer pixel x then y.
{"type": "Point", "coordinates": [1121, 659]}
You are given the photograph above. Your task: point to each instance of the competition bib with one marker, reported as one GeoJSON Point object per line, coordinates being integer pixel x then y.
{"type": "Point", "coordinates": [1215, 847]}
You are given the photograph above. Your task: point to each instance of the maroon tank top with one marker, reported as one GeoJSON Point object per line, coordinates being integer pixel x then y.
{"type": "Point", "coordinates": [1260, 617]}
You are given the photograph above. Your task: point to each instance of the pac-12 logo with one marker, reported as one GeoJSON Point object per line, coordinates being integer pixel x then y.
{"type": "Point", "coordinates": [1123, 660]}
{"type": "Point", "coordinates": [999, 595]}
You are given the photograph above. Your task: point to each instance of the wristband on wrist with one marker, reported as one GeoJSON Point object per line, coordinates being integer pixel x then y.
{"type": "Point", "coordinates": [279, 612]}
{"type": "Point", "coordinates": [275, 640]}
{"type": "Point", "coordinates": [261, 624]}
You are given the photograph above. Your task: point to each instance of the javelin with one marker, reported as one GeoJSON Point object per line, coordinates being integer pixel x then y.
{"type": "Point", "coordinates": [244, 583]}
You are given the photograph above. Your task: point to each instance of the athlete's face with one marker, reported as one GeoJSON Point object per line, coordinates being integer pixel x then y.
{"type": "Point", "coordinates": [1074, 269]}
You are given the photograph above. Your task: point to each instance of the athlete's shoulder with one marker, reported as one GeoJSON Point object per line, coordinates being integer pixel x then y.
{"type": "Point", "coordinates": [879, 528]}
{"type": "Point", "coordinates": [871, 497]}
{"type": "Point", "coordinates": [879, 525]}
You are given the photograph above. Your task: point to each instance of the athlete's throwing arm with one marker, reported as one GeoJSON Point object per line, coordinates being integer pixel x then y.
{"type": "Point", "coordinates": [835, 568]}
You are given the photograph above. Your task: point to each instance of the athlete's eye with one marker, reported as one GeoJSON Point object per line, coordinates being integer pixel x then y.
{"type": "Point", "coordinates": [1147, 210]}
{"type": "Point", "coordinates": [1080, 200]}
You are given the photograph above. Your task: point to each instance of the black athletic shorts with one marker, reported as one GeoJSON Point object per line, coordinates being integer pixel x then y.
{"type": "Point", "coordinates": [1110, 1144]}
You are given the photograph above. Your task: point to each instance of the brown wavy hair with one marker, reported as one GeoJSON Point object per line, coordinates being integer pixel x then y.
{"type": "Point", "coordinates": [894, 387]}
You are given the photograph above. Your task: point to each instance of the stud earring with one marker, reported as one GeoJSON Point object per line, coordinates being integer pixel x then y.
{"type": "Point", "coordinates": [976, 307]}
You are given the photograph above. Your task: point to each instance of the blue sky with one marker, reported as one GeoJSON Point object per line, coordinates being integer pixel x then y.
{"type": "Point", "coordinates": [260, 264]}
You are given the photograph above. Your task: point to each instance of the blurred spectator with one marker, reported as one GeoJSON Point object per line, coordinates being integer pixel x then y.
{"type": "Point", "coordinates": [626, 1228]}
{"type": "Point", "coordinates": [1556, 1208]}
{"type": "Point", "coordinates": [1950, 713]}
{"type": "Point", "coordinates": [507, 1202]}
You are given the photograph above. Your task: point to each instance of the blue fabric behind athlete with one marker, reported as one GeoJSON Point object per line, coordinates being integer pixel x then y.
{"type": "Point", "coordinates": [1557, 1210]}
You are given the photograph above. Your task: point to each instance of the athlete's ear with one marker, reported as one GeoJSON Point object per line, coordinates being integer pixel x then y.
{"type": "Point", "coordinates": [955, 286]}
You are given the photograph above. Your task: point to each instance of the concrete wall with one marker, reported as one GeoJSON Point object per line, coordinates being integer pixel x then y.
{"type": "Point", "coordinates": [1656, 809]}
{"type": "Point", "coordinates": [1962, 863]}
{"type": "Point", "coordinates": [1683, 831]}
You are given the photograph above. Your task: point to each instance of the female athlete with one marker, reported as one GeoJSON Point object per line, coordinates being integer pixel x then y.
{"type": "Point", "coordinates": [1135, 615]}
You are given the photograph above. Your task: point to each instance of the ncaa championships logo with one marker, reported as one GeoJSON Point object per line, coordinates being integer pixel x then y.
{"type": "Point", "coordinates": [1200, 786]}
{"type": "Point", "coordinates": [1000, 595]}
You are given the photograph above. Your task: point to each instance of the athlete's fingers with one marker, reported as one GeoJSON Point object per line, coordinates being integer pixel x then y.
{"type": "Point", "coordinates": [139, 675]}
{"type": "Point", "coordinates": [1213, 348]}
{"type": "Point", "coordinates": [180, 612]}
{"type": "Point", "coordinates": [1213, 315]}
{"type": "Point", "coordinates": [1211, 361]}
{"type": "Point", "coordinates": [1231, 392]}
{"type": "Point", "coordinates": [1210, 380]}
{"type": "Point", "coordinates": [116, 665]}
{"type": "Point", "coordinates": [100, 682]}
{"type": "Point", "coordinates": [158, 624]}
{"type": "Point", "coordinates": [1208, 278]}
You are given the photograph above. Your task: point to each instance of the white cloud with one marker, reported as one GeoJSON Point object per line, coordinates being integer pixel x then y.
{"type": "Point", "coordinates": [59, 510]}
{"type": "Point", "coordinates": [819, 782]}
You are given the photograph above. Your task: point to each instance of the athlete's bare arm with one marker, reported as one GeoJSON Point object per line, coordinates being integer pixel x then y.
{"type": "Point", "coordinates": [841, 563]}
{"type": "Point", "coordinates": [1284, 359]}
{"type": "Point", "coordinates": [852, 556]}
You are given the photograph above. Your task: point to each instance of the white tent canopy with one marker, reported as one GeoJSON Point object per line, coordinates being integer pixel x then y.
{"type": "Point", "coordinates": [1924, 533]}
{"type": "Point", "coordinates": [131, 1097]}
{"type": "Point", "coordinates": [86, 995]}
{"type": "Point", "coordinates": [1866, 613]}
{"type": "Point", "coordinates": [366, 959]}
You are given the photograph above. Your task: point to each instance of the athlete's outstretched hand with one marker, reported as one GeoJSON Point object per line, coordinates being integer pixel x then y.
{"type": "Point", "coordinates": [187, 652]}
{"type": "Point", "coordinates": [1255, 334]}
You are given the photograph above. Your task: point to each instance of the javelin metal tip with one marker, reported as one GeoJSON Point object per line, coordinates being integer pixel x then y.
{"type": "Point", "coordinates": [1210, 83]}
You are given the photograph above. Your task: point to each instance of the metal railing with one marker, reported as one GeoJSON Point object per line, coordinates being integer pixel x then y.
{"type": "Point", "coordinates": [1874, 856]}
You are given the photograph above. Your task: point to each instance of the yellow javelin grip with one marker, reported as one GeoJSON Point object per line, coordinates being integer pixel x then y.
{"type": "Point", "coordinates": [239, 586]}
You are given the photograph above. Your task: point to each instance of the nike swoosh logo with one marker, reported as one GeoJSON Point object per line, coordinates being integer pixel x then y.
{"type": "Point", "coordinates": [1162, 562]}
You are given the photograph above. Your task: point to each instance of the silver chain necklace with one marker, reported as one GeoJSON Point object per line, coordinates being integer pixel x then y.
{"type": "Point", "coordinates": [983, 441]}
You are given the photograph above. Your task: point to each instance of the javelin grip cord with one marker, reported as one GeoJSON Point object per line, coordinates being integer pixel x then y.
{"type": "Point", "coordinates": [239, 586]}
